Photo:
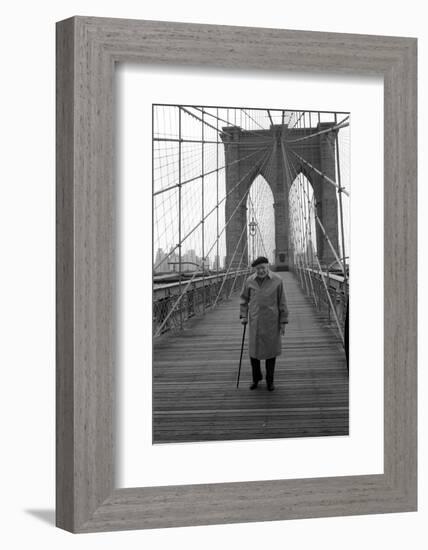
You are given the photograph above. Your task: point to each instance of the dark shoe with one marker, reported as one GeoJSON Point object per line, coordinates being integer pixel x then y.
{"type": "Point", "coordinates": [254, 385]}
{"type": "Point", "coordinates": [271, 387]}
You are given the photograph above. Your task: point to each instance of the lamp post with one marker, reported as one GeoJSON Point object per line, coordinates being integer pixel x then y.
{"type": "Point", "coordinates": [252, 231]}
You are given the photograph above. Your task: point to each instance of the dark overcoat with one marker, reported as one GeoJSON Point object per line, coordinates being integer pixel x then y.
{"type": "Point", "coordinates": [265, 306]}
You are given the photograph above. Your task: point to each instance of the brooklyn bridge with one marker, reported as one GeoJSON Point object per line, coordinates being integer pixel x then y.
{"type": "Point", "coordinates": [231, 184]}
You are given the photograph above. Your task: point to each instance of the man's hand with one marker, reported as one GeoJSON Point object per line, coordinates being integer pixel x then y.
{"type": "Point", "coordinates": [282, 329]}
{"type": "Point", "coordinates": [244, 321]}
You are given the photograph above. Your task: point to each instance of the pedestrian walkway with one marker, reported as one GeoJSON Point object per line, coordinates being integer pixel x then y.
{"type": "Point", "coordinates": [194, 379]}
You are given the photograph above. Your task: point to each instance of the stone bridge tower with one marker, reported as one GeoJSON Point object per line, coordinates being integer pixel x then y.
{"type": "Point", "coordinates": [259, 152]}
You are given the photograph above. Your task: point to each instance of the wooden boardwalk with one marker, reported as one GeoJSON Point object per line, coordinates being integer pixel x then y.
{"type": "Point", "coordinates": [194, 380]}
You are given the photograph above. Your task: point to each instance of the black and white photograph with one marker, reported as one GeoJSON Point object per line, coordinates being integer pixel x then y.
{"type": "Point", "coordinates": [251, 273]}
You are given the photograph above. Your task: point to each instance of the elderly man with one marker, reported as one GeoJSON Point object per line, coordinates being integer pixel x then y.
{"type": "Point", "coordinates": [263, 303]}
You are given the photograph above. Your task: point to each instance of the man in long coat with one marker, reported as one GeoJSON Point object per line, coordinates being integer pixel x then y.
{"type": "Point", "coordinates": [263, 304]}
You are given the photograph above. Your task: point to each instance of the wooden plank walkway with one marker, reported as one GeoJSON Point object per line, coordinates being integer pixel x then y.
{"type": "Point", "coordinates": [194, 380]}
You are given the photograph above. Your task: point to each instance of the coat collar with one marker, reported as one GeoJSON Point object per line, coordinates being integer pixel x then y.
{"type": "Point", "coordinates": [254, 275]}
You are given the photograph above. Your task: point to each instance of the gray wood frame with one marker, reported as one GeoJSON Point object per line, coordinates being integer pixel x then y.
{"type": "Point", "coordinates": [87, 50]}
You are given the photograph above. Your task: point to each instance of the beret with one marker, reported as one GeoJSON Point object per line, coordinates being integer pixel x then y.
{"type": "Point", "coordinates": [260, 260]}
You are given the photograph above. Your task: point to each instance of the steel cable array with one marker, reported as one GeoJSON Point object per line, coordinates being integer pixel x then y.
{"type": "Point", "coordinates": [191, 267]}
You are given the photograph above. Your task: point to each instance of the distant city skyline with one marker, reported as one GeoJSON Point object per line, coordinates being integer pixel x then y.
{"type": "Point", "coordinates": [169, 261]}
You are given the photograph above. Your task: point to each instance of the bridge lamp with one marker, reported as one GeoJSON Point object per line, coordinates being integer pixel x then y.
{"type": "Point", "coordinates": [252, 230]}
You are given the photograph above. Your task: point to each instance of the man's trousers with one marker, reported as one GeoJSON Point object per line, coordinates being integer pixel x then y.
{"type": "Point", "coordinates": [257, 372]}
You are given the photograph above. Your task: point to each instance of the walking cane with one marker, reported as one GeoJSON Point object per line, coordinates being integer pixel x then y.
{"type": "Point", "coordinates": [240, 359]}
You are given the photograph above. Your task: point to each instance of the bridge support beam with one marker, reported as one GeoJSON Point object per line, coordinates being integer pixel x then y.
{"type": "Point", "coordinates": [235, 208]}
{"type": "Point", "coordinates": [327, 196]}
{"type": "Point", "coordinates": [280, 188]}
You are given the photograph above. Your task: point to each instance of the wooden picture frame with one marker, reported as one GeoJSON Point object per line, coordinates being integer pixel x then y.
{"type": "Point", "coordinates": [87, 50]}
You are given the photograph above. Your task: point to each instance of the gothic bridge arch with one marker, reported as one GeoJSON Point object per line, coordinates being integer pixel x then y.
{"type": "Point", "coordinates": [250, 153]}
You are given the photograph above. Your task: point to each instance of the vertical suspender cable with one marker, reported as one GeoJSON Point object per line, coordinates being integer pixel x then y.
{"type": "Point", "coordinates": [340, 199]}
{"type": "Point", "coordinates": [180, 252]}
{"type": "Point", "coordinates": [203, 213]}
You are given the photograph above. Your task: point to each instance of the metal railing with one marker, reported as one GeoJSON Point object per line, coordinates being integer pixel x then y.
{"type": "Point", "coordinates": [176, 303]}
{"type": "Point", "coordinates": [329, 291]}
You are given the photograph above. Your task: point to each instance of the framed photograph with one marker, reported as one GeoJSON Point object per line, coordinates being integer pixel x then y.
{"type": "Point", "coordinates": [218, 360]}
{"type": "Point", "coordinates": [246, 224]}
